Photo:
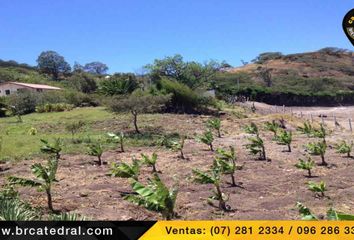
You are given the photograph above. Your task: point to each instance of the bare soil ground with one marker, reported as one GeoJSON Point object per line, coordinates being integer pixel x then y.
{"type": "Point", "coordinates": [269, 190]}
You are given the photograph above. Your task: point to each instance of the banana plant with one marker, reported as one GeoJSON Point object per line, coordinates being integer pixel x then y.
{"type": "Point", "coordinates": [256, 146]}
{"type": "Point", "coordinates": [307, 129]}
{"type": "Point", "coordinates": [318, 188]}
{"type": "Point", "coordinates": [96, 149]}
{"type": "Point", "coordinates": [306, 165]}
{"type": "Point", "coordinates": [118, 138]}
{"type": "Point", "coordinates": [226, 160]}
{"type": "Point", "coordinates": [344, 147]}
{"type": "Point", "coordinates": [155, 196]}
{"type": "Point", "coordinates": [251, 129]}
{"type": "Point", "coordinates": [54, 148]}
{"type": "Point", "coordinates": [332, 214]}
{"type": "Point", "coordinates": [207, 138]}
{"type": "Point", "coordinates": [272, 126]}
{"type": "Point", "coordinates": [215, 124]}
{"type": "Point", "coordinates": [284, 138]}
{"type": "Point", "coordinates": [13, 209]}
{"type": "Point", "coordinates": [318, 149]}
{"type": "Point", "coordinates": [150, 161]}
{"type": "Point", "coordinates": [213, 176]}
{"type": "Point", "coordinates": [320, 133]}
{"type": "Point", "coordinates": [45, 177]}
{"type": "Point", "coordinates": [178, 146]}
{"type": "Point", "coordinates": [66, 217]}
{"type": "Point", "coordinates": [125, 170]}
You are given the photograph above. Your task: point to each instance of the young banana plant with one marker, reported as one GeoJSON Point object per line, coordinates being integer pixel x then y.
{"type": "Point", "coordinates": [307, 129]}
{"type": "Point", "coordinates": [318, 149]}
{"type": "Point", "coordinates": [45, 177]}
{"type": "Point", "coordinates": [155, 196]}
{"type": "Point", "coordinates": [332, 214]}
{"type": "Point", "coordinates": [306, 165]}
{"type": "Point", "coordinates": [226, 160]}
{"type": "Point", "coordinates": [213, 176]}
{"type": "Point", "coordinates": [216, 125]}
{"type": "Point", "coordinates": [150, 161]}
{"type": "Point", "coordinates": [256, 146]}
{"type": "Point", "coordinates": [320, 133]}
{"type": "Point", "coordinates": [125, 170]}
{"type": "Point", "coordinates": [251, 129]}
{"type": "Point", "coordinates": [207, 138]}
{"type": "Point", "coordinates": [52, 148]}
{"type": "Point", "coordinates": [344, 148]}
{"type": "Point", "coordinates": [272, 126]}
{"type": "Point", "coordinates": [284, 138]}
{"type": "Point", "coordinates": [318, 188]}
{"type": "Point", "coordinates": [96, 149]}
{"type": "Point", "coordinates": [118, 138]}
{"type": "Point", "coordinates": [178, 146]}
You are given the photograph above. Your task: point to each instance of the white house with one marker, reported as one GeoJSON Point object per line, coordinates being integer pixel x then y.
{"type": "Point", "coordinates": [8, 88]}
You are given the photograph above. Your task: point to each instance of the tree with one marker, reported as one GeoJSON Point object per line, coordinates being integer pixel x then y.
{"type": "Point", "coordinates": [83, 82]}
{"type": "Point", "coordinates": [96, 68]}
{"type": "Point", "coordinates": [119, 84]}
{"type": "Point", "coordinates": [263, 57]}
{"type": "Point", "coordinates": [265, 74]}
{"type": "Point", "coordinates": [77, 67]}
{"type": "Point", "coordinates": [51, 62]}
{"type": "Point", "coordinates": [139, 104]}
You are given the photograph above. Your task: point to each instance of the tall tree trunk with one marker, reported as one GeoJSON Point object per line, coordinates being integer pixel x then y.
{"type": "Point", "coordinates": [135, 120]}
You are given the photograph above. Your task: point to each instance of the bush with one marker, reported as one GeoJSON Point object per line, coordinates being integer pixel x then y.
{"type": "Point", "coordinates": [118, 84]}
{"type": "Point", "coordinates": [83, 82]}
{"type": "Point", "coordinates": [54, 107]}
{"type": "Point", "coordinates": [23, 102]}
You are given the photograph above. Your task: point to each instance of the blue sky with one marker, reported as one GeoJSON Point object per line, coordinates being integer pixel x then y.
{"type": "Point", "coordinates": [129, 34]}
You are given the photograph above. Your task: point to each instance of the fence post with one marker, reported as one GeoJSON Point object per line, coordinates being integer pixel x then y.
{"type": "Point", "coordinates": [350, 125]}
{"type": "Point", "coordinates": [300, 114]}
{"type": "Point", "coordinates": [311, 116]}
{"type": "Point", "coordinates": [283, 108]}
{"type": "Point", "coordinates": [322, 121]}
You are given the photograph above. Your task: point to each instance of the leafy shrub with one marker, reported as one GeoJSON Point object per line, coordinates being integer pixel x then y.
{"type": "Point", "coordinates": [22, 102]}
{"type": "Point", "coordinates": [54, 107]}
{"type": "Point", "coordinates": [83, 82]}
{"type": "Point", "coordinates": [74, 127]}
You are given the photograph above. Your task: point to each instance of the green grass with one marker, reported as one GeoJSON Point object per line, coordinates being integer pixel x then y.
{"type": "Point", "coordinates": [18, 144]}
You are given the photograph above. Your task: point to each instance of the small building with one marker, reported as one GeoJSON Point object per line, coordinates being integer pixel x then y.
{"type": "Point", "coordinates": [8, 88]}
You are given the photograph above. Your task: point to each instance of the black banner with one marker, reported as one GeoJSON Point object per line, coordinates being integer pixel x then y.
{"type": "Point", "coordinates": [90, 230]}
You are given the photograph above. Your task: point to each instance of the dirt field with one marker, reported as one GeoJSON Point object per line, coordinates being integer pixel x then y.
{"type": "Point", "coordinates": [269, 190]}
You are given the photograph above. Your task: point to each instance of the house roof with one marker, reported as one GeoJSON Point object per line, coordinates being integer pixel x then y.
{"type": "Point", "coordinates": [31, 85]}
